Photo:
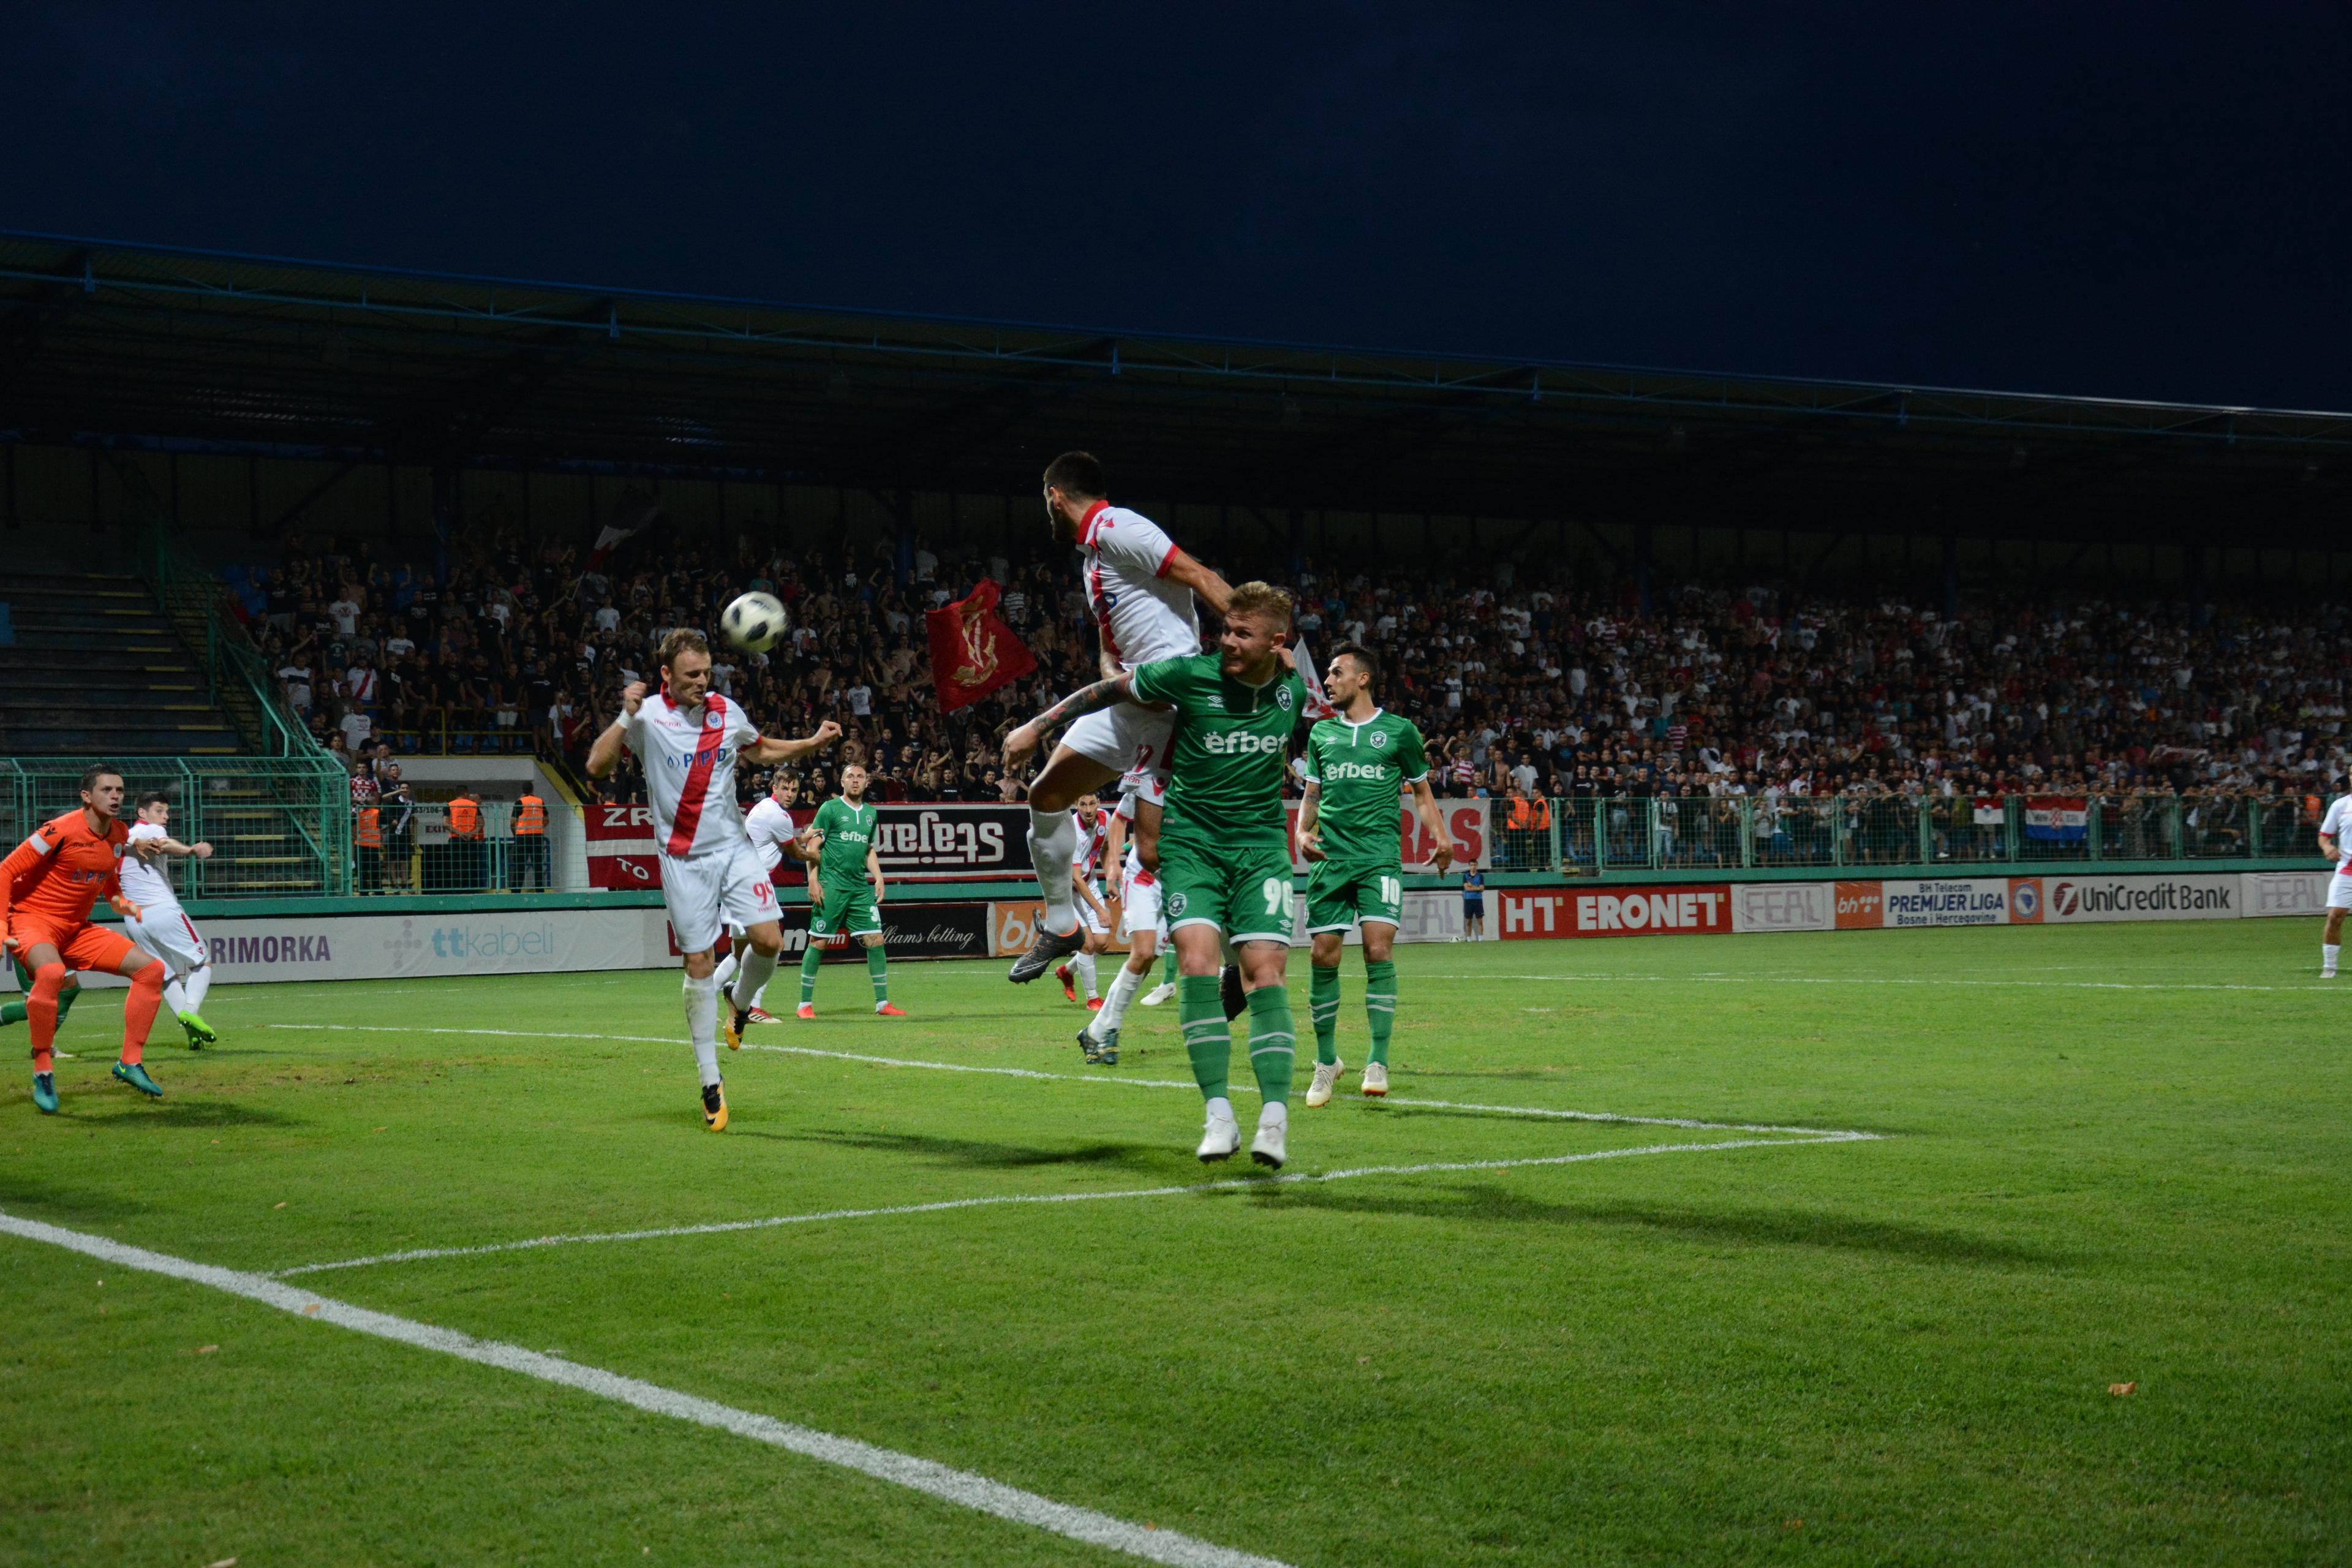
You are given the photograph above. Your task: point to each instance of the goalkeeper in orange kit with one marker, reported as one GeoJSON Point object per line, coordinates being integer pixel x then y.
{"type": "Point", "coordinates": [47, 884]}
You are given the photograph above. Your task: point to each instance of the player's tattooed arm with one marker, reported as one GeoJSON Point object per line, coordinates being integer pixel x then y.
{"type": "Point", "coordinates": [773, 749]}
{"type": "Point", "coordinates": [1093, 698]}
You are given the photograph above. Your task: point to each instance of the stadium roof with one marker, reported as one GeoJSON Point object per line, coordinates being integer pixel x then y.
{"type": "Point", "coordinates": [144, 346]}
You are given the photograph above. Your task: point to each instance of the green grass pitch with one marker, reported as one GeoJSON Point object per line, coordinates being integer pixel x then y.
{"type": "Point", "coordinates": [2103, 1155]}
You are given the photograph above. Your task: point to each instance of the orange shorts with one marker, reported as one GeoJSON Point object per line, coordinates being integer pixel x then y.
{"type": "Point", "coordinates": [85, 945]}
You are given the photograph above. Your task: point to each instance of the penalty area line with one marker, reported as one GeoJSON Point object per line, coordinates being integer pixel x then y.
{"type": "Point", "coordinates": [962, 1487]}
{"type": "Point", "coordinates": [1245, 1184]}
{"type": "Point", "coordinates": [1688, 1124]}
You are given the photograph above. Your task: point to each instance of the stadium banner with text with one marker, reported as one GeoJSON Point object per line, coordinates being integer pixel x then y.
{"type": "Point", "coordinates": [1944, 901]}
{"type": "Point", "coordinates": [2075, 900]}
{"type": "Point", "coordinates": [1861, 906]}
{"type": "Point", "coordinates": [2267, 893]}
{"type": "Point", "coordinates": [1534, 914]}
{"type": "Point", "coordinates": [944, 839]}
{"type": "Point", "coordinates": [1783, 906]}
{"type": "Point", "coordinates": [1466, 821]}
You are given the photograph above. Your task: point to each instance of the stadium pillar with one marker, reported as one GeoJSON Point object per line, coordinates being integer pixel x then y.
{"type": "Point", "coordinates": [1642, 541]}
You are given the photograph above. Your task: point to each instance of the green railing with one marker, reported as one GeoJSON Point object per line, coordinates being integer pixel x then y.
{"type": "Point", "coordinates": [236, 678]}
{"type": "Point", "coordinates": [276, 825]}
{"type": "Point", "coordinates": [1599, 836]}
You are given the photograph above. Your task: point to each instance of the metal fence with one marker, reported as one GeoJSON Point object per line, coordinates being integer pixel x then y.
{"type": "Point", "coordinates": [1595, 835]}
{"type": "Point", "coordinates": [417, 852]}
{"type": "Point", "coordinates": [276, 825]}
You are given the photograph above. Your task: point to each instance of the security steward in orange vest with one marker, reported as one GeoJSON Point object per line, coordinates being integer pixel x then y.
{"type": "Point", "coordinates": [464, 815]}
{"type": "Point", "coordinates": [530, 871]}
{"type": "Point", "coordinates": [367, 838]}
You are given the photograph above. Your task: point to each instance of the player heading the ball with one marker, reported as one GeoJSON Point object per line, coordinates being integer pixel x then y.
{"type": "Point", "coordinates": [689, 738]}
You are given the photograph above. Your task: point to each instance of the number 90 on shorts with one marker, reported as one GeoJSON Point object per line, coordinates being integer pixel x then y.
{"type": "Point", "coordinates": [1243, 892]}
{"type": "Point", "coordinates": [1341, 896]}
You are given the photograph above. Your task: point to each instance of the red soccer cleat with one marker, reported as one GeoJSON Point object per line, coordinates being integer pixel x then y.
{"type": "Point", "coordinates": [808, 1010]}
{"type": "Point", "coordinates": [1094, 1004]}
{"type": "Point", "coordinates": [762, 1015]}
{"type": "Point", "coordinates": [887, 1011]}
{"type": "Point", "coordinates": [1069, 986]}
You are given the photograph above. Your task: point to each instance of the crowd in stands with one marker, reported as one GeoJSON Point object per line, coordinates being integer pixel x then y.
{"type": "Point", "coordinates": [1527, 679]}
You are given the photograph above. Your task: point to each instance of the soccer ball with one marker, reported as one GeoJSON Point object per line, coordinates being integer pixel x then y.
{"type": "Point", "coordinates": [754, 621]}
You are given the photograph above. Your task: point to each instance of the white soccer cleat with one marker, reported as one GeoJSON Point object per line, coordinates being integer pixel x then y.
{"type": "Point", "coordinates": [1157, 993]}
{"type": "Point", "coordinates": [1222, 1135]}
{"type": "Point", "coordinates": [1376, 1078]}
{"type": "Point", "coordinates": [1273, 1125]}
{"type": "Point", "coordinates": [1327, 1080]}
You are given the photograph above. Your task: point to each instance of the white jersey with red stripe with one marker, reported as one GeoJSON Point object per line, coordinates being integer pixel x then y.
{"type": "Point", "coordinates": [689, 760]}
{"type": "Point", "coordinates": [1142, 615]}
{"type": "Point", "coordinates": [771, 827]}
{"type": "Point", "coordinates": [147, 886]}
{"type": "Point", "coordinates": [1090, 840]}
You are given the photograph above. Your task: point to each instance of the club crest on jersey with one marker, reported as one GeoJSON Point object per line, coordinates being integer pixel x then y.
{"type": "Point", "coordinates": [1176, 903]}
{"type": "Point", "coordinates": [1283, 697]}
{"type": "Point", "coordinates": [1380, 739]}
{"type": "Point", "coordinates": [712, 717]}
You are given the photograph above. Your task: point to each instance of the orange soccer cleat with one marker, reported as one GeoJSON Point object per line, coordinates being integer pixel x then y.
{"type": "Point", "coordinates": [1069, 986]}
{"type": "Point", "coordinates": [1094, 1004]}
{"type": "Point", "coordinates": [808, 1010]}
{"type": "Point", "coordinates": [884, 1010]}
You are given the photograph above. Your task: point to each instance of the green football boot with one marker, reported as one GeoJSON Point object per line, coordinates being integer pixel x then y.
{"type": "Point", "coordinates": [44, 1093]}
{"type": "Point", "coordinates": [200, 1034]}
{"type": "Point", "coordinates": [135, 1075]}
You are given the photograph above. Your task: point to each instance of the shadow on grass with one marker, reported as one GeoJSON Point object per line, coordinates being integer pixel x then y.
{"type": "Point", "coordinates": [1486, 1204]}
{"type": "Point", "coordinates": [129, 1114]}
{"type": "Point", "coordinates": [25, 1194]}
{"type": "Point", "coordinates": [978, 1154]}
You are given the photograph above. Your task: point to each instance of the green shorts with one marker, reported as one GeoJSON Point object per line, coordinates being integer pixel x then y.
{"type": "Point", "coordinates": [1244, 893]}
{"type": "Point", "coordinates": [850, 912]}
{"type": "Point", "coordinates": [1340, 896]}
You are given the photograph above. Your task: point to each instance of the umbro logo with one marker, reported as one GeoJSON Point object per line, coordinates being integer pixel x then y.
{"type": "Point", "coordinates": [1216, 702]}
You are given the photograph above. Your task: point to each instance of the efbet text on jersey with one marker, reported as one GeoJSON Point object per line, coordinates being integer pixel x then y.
{"type": "Point", "coordinates": [1240, 743]}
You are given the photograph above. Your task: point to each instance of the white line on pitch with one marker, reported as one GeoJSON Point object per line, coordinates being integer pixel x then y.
{"type": "Point", "coordinates": [962, 1487]}
{"type": "Point", "coordinates": [1719, 979]}
{"type": "Point", "coordinates": [1602, 1116]}
{"type": "Point", "coordinates": [422, 1254]}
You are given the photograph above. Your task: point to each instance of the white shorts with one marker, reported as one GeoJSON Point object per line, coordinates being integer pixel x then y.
{"type": "Point", "coordinates": [727, 886]}
{"type": "Point", "coordinates": [1090, 922]}
{"type": "Point", "coordinates": [2339, 892]}
{"type": "Point", "coordinates": [170, 936]}
{"type": "Point", "coordinates": [1148, 785]}
{"type": "Point", "coordinates": [1140, 910]}
{"type": "Point", "coordinates": [1123, 738]}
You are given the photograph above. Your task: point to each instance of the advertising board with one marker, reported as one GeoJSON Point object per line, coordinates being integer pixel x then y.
{"type": "Point", "coordinates": [2071, 900]}
{"type": "Point", "coordinates": [1956, 901]}
{"type": "Point", "coordinates": [1467, 821]}
{"type": "Point", "coordinates": [1534, 914]}
{"type": "Point", "coordinates": [945, 840]}
{"type": "Point", "coordinates": [2266, 893]}
{"type": "Point", "coordinates": [1783, 906]}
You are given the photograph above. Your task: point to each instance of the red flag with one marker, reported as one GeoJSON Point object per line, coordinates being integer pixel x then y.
{"type": "Point", "coordinates": [973, 652]}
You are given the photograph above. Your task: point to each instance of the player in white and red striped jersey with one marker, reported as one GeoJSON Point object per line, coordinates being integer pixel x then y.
{"type": "Point", "coordinates": [1140, 919]}
{"type": "Point", "coordinates": [775, 839]}
{"type": "Point", "coordinates": [162, 927]}
{"type": "Point", "coordinates": [689, 738]}
{"type": "Point", "coordinates": [1140, 587]}
{"type": "Point", "coordinates": [2334, 828]}
{"type": "Point", "coordinates": [1094, 917]}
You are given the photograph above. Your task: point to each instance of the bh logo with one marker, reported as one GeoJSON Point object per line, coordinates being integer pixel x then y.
{"type": "Point", "coordinates": [2025, 902]}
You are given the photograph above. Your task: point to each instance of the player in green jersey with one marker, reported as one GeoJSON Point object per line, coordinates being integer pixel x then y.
{"type": "Point", "coordinates": [841, 901]}
{"type": "Point", "coordinates": [1357, 765]}
{"type": "Point", "coordinates": [1224, 854]}
{"type": "Point", "coordinates": [16, 1012]}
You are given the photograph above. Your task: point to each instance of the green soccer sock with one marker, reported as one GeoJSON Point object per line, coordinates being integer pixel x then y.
{"type": "Point", "coordinates": [1380, 1006]}
{"type": "Point", "coordinates": [1168, 964]}
{"type": "Point", "coordinates": [809, 961]}
{"type": "Point", "coordinates": [1323, 1004]}
{"type": "Point", "coordinates": [66, 999]}
{"type": "Point", "coordinates": [877, 969]}
{"type": "Point", "coordinates": [1208, 1039]}
{"type": "Point", "coordinates": [1273, 1043]}
{"type": "Point", "coordinates": [11, 1013]}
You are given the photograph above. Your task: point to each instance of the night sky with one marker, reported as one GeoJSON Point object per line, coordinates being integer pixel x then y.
{"type": "Point", "coordinates": [2143, 201]}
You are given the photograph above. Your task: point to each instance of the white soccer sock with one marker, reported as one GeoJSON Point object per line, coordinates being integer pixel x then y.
{"type": "Point", "coordinates": [752, 977]}
{"type": "Point", "coordinates": [1084, 963]}
{"type": "Point", "coordinates": [199, 982]}
{"type": "Point", "coordinates": [726, 967]}
{"type": "Point", "coordinates": [702, 1024]}
{"type": "Point", "coordinates": [2328, 953]}
{"type": "Point", "coordinates": [176, 998]}
{"type": "Point", "coordinates": [1123, 987]}
{"type": "Point", "coordinates": [1053, 845]}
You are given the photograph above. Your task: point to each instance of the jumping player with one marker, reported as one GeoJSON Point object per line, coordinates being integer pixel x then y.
{"type": "Point", "coordinates": [774, 837]}
{"type": "Point", "coordinates": [1357, 765]}
{"type": "Point", "coordinates": [1140, 586]}
{"type": "Point", "coordinates": [846, 891]}
{"type": "Point", "coordinates": [47, 884]}
{"type": "Point", "coordinates": [1225, 863]}
{"type": "Point", "coordinates": [162, 927]}
{"type": "Point", "coordinates": [690, 740]}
